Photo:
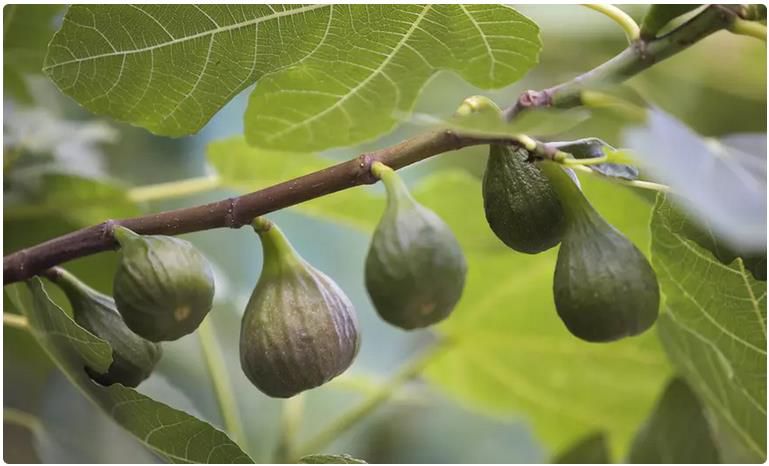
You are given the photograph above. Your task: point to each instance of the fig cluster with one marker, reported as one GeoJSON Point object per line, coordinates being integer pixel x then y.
{"type": "Point", "coordinates": [604, 288]}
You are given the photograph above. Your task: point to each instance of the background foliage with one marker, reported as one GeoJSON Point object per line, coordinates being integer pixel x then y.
{"type": "Point", "coordinates": [513, 383]}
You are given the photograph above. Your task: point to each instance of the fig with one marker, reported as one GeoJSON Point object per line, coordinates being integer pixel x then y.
{"type": "Point", "coordinates": [299, 329]}
{"type": "Point", "coordinates": [415, 269]}
{"type": "Point", "coordinates": [133, 357]}
{"type": "Point", "coordinates": [521, 206]}
{"type": "Point", "coordinates": [163, 286]}
{"type": "Point", "coordinates": [604, 288]}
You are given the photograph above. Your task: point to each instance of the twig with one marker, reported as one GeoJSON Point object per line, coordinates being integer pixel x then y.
{"type": "Point", "coordinates": [15, 321]}
{"type": "Point", "coordinates": [290, 423]}
{"type": "Point", "coordinates": [638, 56]}
{"type": "Point", "coordinates": [225, 395]}
{"type": "Point", "coordinates": [373, 401]}
{"type": "Point", "coordinates": [749, 28]}
{"type": "Point", "coordinates": [632, 31]}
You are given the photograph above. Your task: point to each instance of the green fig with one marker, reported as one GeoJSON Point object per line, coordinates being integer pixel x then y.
{"type": "Point", "coordinates": [415, 269]}
{"type": "Point", "coordinates": [299, 329]}
{"type": "Point", "coordinates": [604, 288]}
{"type": "Point", "coordinates": [521, 207]}
{"type": "Point", "coordinates": [133, 357]}
{"type": "Point", "coordinates": [163, 286]}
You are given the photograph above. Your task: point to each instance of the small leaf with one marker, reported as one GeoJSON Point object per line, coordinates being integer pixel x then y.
{"type": "Point", "coordinates": [172, 434]}
{"type": "Point", "coordinates": [330, 459]}
{"type": "Point", "coordinates": [676, 432]}
{"type": "Point", "coordinates": [593, 449]}
{"type": "Point", "coordinates": [722, 186]}
{"type": "Point", "coordinates": [714, 330]}
{"type": "Point", "coordinates": [589, 148]}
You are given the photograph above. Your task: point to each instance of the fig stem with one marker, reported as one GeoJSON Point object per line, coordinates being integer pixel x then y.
{"type": "Point", "coordinates": [277, 251]}
{"type": "Point", "coordinates": [748, 28]}
{"type": "Point", "coordinates": [220, 379]}
{"type": "Point", "coordinates": [22, 419]}
{"type": "Point", "coordinates": [396, 188]}
{"type": "Point", "coordinates": [385, 391]}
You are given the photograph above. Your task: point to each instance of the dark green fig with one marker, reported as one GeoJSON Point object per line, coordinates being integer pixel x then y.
{"type": "Point", "coordinates": [415, 269]}
{"type": "Point", "coordinates": [163, 286]}
{"type": "Point", "coordinates": [133, 357]}
{"type": "Point", "coordinates": [299, 329]}
{"type": "Point", "coordinates": [521, 207]}
{"type": "Point", "coordinates": [604, 288]}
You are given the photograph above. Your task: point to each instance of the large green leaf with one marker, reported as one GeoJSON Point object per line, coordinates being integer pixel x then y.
{"type": "Point", "coordinates": [26, 32]}
{"type": "Point", "coordinates": [677, 431]}
{"type": "Point", "coordinates": [245, 168]}
{"type": "Point", "coordinates": [173, 434]}
{"type": "Point", "coordinates": [330, 459]}
{"type": "Point", "coordinates": [513, 356]}
{"type": "Point", "coordinates": [329, 75]}
{"type": "Point", "coordinates": [714, 330]}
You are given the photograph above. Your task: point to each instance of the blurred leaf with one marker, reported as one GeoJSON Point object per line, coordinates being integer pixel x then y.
{"type": "Point", "coordinates": [330, 459]}
{"type": "Point", "coordinates": [714, 330]}
{"type": "Point", "coordinates": [27, 29]}
{"type": "Point", "coordinates": [513, 355]}
{"type": "Point", "coordinates": [593, 449]}
{"type": "Point", "coordinates": [74, 146]}
{"type": "Point", "coordinates": [329, 75]}
{"type": "Point", "coordinates": [536, 122]}
{"type": "Point", "coordinates": [171, 433]}
{"type": "Point", "coordinates": [245, 168]}
{"type": "Point", "coordinates": [83, 201]}
{"type": "Point", "coordinates": [719, 184]}
{"type": "Point", "coordinates": [676, 432]}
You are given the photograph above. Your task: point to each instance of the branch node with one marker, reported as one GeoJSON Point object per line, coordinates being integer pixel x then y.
{"type": "Point", "coordinates": [365, 160]}
{"type": "Point", "coordinates": [231, 216]}
{"type": "Point", "coordinates": [107, 229]}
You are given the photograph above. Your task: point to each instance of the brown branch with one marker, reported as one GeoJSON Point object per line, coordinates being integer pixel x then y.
{"type": "Point", "coordinates": [638, 56]}
{"type": "Point", "coordinates": [232, 212]}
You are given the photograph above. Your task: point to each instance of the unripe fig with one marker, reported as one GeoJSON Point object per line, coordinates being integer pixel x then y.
{"type": "Point", "coordinates": [521, 207]}
{"type": "Point", "coordinates": [299, 329]}
{"type": "Point", "coordinates": [163, 286]}
{"type": "Point", "coordinates": [133, 357]}
{"type": "Point", "coordinates": [415, 269]}
{"type": "Point", "coordinates": [604, 288]}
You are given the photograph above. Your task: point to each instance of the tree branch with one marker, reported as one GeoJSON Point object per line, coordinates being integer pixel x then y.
{"type": "Point", "coordinates": [232, 212]}
{"type": "Point", "coordinates": [238, 211]}
{"type": "Point", "coordinates": [638, 56]}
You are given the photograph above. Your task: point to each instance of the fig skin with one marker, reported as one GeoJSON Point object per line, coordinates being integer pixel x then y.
{"type": "Point", "coordinates": [521, 207]}
{"type": "Point", "coordinates": [604, 287]}
{"type": "Point", "coordinates": [133, 357]}
{"type": "Point", "coordinates": [163, 286]}
{"type": "Point", "coordinates": [299, 329]}
{"type": "Point", "coordinates": [415, 269]}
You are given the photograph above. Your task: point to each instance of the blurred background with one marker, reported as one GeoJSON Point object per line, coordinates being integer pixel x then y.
{"type": "Point", "coordinates": [717, 87]}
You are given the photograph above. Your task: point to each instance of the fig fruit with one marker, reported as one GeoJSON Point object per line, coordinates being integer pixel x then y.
{"type": "Point", "coordinates": [299, 329]}
{"type": "Point", "coordinates": [521, 206]}
{"type": "Point", "coordinates": [604, 288]}
{"type": "Point", "coordinates": [415, 269]}
{"type": "Point", "coordinates": [133, 357]}
{"type": "Point", "coordinates": [163, 286]}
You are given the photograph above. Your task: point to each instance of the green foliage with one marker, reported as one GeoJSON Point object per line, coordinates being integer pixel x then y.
{"type": "Point", "coordinates": [714, 331]}
{"type": "Point", "coordinates": [593, 449]}
{"type": "Point", "coordinates": [246, 169]}
{"type": "Point", "coordinates": [26, 32]}
{"type": "Point", "coordinates": [676, 432]}
{"type": "Point", "coordinates": [330, 459]}
{"type": "Point", "coordinates": [172, 434]}
{"type": "Point", "coordinates": [329, 75]}
{"type": "Point", "coordinates": [660, 15]}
